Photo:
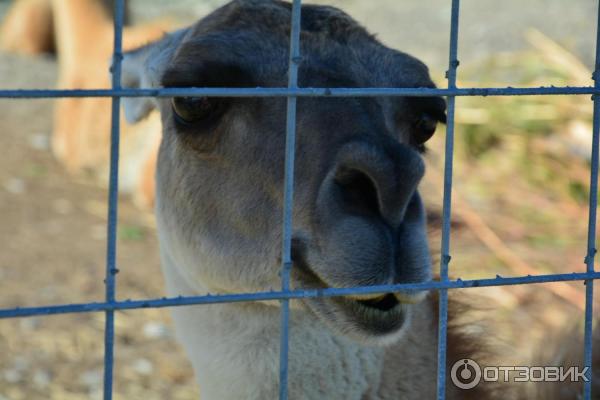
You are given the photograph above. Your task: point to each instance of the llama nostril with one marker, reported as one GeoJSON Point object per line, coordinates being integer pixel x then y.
{"type": "Point", "coordinates": [357, 191]}
{"type": "Point", "coordinates": [374, 180]}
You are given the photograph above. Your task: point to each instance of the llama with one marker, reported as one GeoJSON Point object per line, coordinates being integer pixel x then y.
{"type": "Point", "coordinates": [27, 28]}
{"type": "Point", "coordinates": [81, 130]}
{"type": "Point", "coordinates": [358, 216]}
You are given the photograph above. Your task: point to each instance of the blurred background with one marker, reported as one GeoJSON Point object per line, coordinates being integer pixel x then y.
{"type": "Point", "coordinates": [521, 185]}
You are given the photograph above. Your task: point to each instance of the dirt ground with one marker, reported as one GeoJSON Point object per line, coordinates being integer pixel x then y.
{"type": "Point", "coordinates": [53, 237]}
{"type": "Point", "coordinates": [53, 249]}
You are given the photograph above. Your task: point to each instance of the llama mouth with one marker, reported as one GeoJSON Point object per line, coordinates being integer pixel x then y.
{"type": "Point", "coordinates": [382, 303]}
{"type": "Point", "coordinates": [376, 319]}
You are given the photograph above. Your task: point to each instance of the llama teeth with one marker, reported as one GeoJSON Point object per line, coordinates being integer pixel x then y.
{"type": "Point", "coordinates": [369, 297]}
{"type": "Point", "coordinates": [409, 298]}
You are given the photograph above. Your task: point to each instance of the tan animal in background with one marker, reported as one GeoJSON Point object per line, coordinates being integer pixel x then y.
{"type": "Point", "coordinates": [81, 32]}
{"type": "Point", "coordinates": [28, 28]}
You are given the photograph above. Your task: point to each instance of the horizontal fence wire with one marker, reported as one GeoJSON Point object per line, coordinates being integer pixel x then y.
{"type": "Point", "coordinates": [294, 294]}
{"type": "Point", "coordinates": [292, 92]}
{"type": "Point", "coordinates": [300, 92]}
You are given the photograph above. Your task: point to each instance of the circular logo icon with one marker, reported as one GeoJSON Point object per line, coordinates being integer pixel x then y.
{"type": "Point", "coordinates": [465, 374]}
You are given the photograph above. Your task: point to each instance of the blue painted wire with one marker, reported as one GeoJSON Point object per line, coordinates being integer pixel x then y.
{"type": "Point", "coordinates": [292, 294]}
{"type": "Point", "coordinates": [113, 203]}
{"type": "Point", "coordinates": [288, 199]}
{"type": "Point", "coordinates": [593, 206]}
{"type": "Point", "coordinates": [292, 92]}
{"type": "Point", "coordinates": [299, 92]}
{"type": "Point", "coordinates": [447, 207]}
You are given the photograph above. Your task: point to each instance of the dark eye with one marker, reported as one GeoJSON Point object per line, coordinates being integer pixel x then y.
{"type": "Point", "coordinates": [424, 113]}
{"type": "Point", "coordinates": [190, 110]}
{"type": "Point", "coordinates": [424, 129]}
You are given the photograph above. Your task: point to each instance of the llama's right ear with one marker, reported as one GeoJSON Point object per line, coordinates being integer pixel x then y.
{"type": "Point", "coordinates": [143, 69]}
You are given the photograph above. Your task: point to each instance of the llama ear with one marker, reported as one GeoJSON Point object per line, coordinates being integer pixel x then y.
{"type": "Point", "coordinates": [132, 76]}
{"type": "Point", "coordinates": [143, 68]}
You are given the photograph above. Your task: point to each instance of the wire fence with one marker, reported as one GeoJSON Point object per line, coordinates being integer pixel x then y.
{"type": "Point", "coordinates": [292, 92]}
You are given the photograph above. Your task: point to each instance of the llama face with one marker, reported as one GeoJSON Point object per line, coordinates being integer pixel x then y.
{"type": "Point", "coordinates": [358, 217]}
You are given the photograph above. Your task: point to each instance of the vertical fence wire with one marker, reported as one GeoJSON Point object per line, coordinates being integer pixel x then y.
{"type": "Point", "coordinates": [290, 149]}
{"type": "Point", "coordinates": [593, 206]}
{"type": "Point", "coordinates": [447, 210]}
{"type": "Point", "coordinates": [113, 202]}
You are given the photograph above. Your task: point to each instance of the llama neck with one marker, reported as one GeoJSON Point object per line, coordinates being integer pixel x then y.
{"type": "Point", "coordinates": [236, 355]}
{"type": "Point", "coordinates": [234, 349]}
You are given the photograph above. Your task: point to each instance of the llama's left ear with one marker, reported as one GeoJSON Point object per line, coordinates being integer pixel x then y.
{"type": "Point", "coordinates": [142, 69]}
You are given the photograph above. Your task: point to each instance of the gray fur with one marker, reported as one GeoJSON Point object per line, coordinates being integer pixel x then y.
{"type": "Point", "coordinates": [358, 218]}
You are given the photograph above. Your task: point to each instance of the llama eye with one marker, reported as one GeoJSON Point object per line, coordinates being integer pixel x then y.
{"type": "Point", "coordinates": [424, 129]}
{"type": "Point", "coordinates": [189, 110]}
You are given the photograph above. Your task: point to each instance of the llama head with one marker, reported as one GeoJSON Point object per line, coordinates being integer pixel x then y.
{"type": "Point", "coordinates": [358, 218]}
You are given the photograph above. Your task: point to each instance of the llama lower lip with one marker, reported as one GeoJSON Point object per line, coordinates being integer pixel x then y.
{"type": "Point", "coordinates": [366, 321]}
{"type": "Point", "coordinates": [369, 318]}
